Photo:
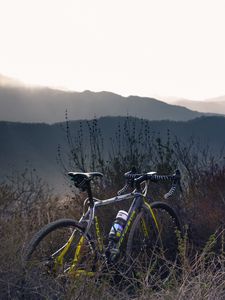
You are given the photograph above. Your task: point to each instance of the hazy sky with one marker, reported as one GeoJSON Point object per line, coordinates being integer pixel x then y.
{"type": "Point", "coordinates": [138, 47]}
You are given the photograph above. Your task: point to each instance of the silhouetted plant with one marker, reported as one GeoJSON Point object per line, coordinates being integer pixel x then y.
{"type": "Point", "coordinates": [202, 207]}
{"type": "Point", "coordinates": [134, 144]}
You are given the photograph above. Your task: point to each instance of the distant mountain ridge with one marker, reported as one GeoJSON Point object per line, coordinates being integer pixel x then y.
{"type": "Point", "coordinates": [23, 104]}
{"type": "Point", "coordinates": [214, 105]}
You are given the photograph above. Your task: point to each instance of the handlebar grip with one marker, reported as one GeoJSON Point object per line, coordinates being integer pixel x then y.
{"type": "Point", "coordinates": [123, 190]}
{"type": "Point", "coordinates": [175, 177]}
{"type": "Point", "coordinates": [129, 175]}
{"type": "Point", "coordinates": [171, 191]}
{"type": "Point", "coordinates": [176, 181]}
{"type": "Point", "coordinates": [160, 177]}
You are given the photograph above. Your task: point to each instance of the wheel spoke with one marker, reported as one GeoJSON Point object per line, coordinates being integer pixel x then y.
{"type": "Point", "coordinates": [152, 241]}
{"type": "Point", "coordinates": [60, 248]}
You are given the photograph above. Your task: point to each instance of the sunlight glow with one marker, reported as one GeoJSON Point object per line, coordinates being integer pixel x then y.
{"type": "Point", "coordinates": [142, 47]}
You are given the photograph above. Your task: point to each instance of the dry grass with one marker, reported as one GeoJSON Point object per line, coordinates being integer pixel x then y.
{"type": "Point", "coordinates": [200, 273]}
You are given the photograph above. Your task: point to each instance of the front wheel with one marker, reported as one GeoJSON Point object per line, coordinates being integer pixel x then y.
{"type": "Point", "coordinates": [152, 245]}
{"type": "Point", "coordinates": [60, 248]}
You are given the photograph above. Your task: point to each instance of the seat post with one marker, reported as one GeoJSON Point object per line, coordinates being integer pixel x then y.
{"type": "Point", "coordinates": [89, 192]}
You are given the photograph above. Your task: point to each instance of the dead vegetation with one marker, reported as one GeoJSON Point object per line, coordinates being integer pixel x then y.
{"type": "Point", "coordinates": [26, 204]}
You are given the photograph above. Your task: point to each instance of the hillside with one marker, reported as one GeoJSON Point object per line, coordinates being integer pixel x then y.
{"type": "Point", "coordinates": [215, 105]}
{"type": "Point", "coordinates": [35, 145]}
{"type": "Point", "coordinates": [22, 104]}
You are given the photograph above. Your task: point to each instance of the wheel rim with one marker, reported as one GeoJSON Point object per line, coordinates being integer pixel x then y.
{"type": "Point", "coordinates": [62, 251]}
{"type": "Point", "coordinates": [152, 249]}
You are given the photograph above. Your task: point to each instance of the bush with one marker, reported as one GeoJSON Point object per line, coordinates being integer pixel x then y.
{"type": "Point", "coordinates": [26, 204]}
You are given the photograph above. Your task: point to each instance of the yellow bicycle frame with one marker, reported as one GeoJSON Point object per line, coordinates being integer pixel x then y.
{"type": "Point", "coordinates": [79, 272]}
{"type": "Point", "coordinates": [59, 259]}
{"type": "Point", "coordinates": [152, 214]}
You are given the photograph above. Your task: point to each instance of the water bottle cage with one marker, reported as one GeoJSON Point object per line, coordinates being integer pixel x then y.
{"type": "Point", "coordinates": [116, 230]}
{"type": "Point", "coordinates": [115, 234]}
{"type": "Point", "coordinates": [118, 234]}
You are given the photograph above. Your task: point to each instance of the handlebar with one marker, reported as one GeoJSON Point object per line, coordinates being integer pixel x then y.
{"type": "Point", "coordinates": [129, 177]}
{"type": "Point", "coordinates": [135, 180]}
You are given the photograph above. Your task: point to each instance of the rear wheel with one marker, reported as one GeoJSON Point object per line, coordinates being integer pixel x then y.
{"type": "Point", "coordinates": [152, 245]}
{"type": "Point", "coordinates": [60, 248]}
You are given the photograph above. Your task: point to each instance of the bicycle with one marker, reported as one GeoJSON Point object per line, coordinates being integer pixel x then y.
{"type": "Point", "coordinates": [70, 247]}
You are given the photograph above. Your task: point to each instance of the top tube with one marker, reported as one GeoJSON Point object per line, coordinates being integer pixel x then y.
{"type": "Point", "coordinates": [115, 199]}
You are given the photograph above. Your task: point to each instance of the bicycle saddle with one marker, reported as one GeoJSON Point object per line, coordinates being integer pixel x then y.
{"type": "Point", "coordinates": [80, 178]}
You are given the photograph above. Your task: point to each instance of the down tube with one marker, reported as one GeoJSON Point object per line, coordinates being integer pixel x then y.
{"type": "Point", "coordinates": [131, 216]}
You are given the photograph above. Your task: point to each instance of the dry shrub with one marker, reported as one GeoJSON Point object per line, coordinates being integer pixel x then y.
{"type": "Point", "coordinates": [26, 205]}
{"type": "Point", "coordinates": [203, 205]}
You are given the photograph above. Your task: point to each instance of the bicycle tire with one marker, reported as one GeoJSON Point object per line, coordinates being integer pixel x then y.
{"type": "Point", "coordinates": [39, 254]}
{"type": "Point", "coordinates": [152, 255]}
